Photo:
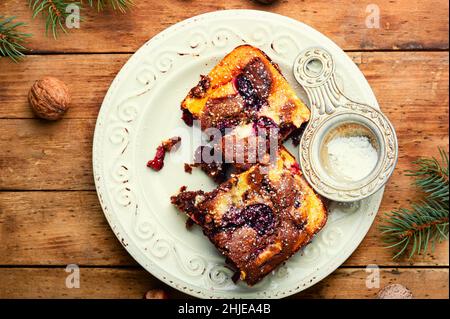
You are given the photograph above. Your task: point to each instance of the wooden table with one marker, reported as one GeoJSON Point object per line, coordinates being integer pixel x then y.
{"type": "Point", "coordinates": [49, 213]}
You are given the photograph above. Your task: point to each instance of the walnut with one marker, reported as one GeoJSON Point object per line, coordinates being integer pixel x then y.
{"type": "Point", "coordinates": [156, 294]}
{"type": "Point", "coordinates": [49, 98]}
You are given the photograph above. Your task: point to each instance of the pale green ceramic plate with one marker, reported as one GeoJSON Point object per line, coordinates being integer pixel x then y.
{"type": "Point", "coordinates": [141, 108]}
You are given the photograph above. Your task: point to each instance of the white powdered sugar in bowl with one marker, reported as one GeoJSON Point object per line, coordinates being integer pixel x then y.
{"type": "Point", "coordinates": [351, 157]}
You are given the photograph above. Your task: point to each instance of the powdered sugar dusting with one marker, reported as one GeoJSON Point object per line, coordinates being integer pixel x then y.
{"type": "Point", "coordinates": [351, 157]}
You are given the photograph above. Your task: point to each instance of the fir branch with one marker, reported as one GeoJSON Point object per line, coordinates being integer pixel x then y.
{"type": "Point", "coordinates": [11, 39]}
{"type": "Point", "coordinates": [427, 222]}
{"type": "Point", "coordinates": [121, 5]}
{"type": "Point", "coordinates": [54, 12]}
{"type": "Point", "coordinates": [432, 176]}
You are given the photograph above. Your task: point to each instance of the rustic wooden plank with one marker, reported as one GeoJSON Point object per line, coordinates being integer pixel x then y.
{"type": "Point", "coordinates": [133, 283]}
{"type": "Point", "coordinates": [88, 77]}
{"type": "Point", "coordinates": [422, 25]}
{"type": "Point", "coordinates": [56, 156]}
{"type": "Point", "coordinates": [351, 283]}
{"type": "Point", "coordinates": [404, 82]}
{"type": "Point", "coordinates": [46, 155]}
{"type": "Point", "coordinates": [59, 228]}
{"type": "Point", "coordinates": [94, 283]}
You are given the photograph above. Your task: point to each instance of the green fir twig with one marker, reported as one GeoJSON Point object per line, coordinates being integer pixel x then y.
{"type": "Point", "coordinates": [432, 176]}
{"type": "Point", "coordinates": [11, 39]}
{"type": "Point", "coordinates": [55, 14]}
{"type": "Point", "coordinates": [426, 222]}
{"type": "Point", "coordinates": [121, 5]}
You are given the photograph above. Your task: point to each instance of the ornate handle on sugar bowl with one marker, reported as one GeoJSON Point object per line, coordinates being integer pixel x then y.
{"type": "Point", "coordinates": [334, 115]}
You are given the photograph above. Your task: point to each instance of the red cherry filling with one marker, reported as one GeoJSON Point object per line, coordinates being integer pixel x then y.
{"type": "Point", "coordinates": [295, 168]}
{"type": "Point", "coordinates": [245, 88]}
{"type": "Point", "coordinates": [187, 117]}
{"type": "Point", "coordinates": [158, 161]}
{"type": "Point", "coordinates": [265, 126]}
{"type": "Point", "coordinates": [227, 123]}
{"type": "Point", "coordinates": [296, 135]}
{"type": "Point", "coordinates": [264, 123]}
{"type": "Point", "coordinates": [260, 217]}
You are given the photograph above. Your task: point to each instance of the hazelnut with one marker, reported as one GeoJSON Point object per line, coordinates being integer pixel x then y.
{"type": "Point", "coordinates": [49, 98]}
{"type": "Point", "coordinates": [156, 294]}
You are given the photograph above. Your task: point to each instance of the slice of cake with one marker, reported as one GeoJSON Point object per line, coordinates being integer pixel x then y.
{"type": "Point", "coordinates": [244, 94]}
{"type": "Point", "coordinates": [244, 87]}
{"type": "Point", "coordinates": [259, 218]}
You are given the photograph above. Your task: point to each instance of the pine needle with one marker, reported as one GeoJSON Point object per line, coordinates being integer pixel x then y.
{"type": "Point", "coordinates": [11, 39]}
{"type": "Point", "coordinates": [54, 12]}
{"type": "Point", "coordinates": [426, 222]}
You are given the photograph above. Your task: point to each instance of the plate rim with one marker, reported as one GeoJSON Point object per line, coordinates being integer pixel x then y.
{"type": "Point", "coordinates": [156, 271]}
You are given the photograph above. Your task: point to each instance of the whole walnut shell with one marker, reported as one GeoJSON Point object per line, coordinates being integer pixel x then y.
{"type": "Point", "coordinates": [49, 98]}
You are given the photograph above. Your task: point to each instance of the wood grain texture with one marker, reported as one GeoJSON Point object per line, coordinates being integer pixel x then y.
{"type": "Point", "coordinates": [38, 154]}
{"type": "Point", "coordinates": [405, 83]}
{"type": "Point", "coordinates": [412, 89]}
{"type": "Point", "coordinates": [60, 228]}
{"type": "Point", "coordinates": [57, 228]}
{"type": "Point", "coordinates": [49, 211]}
{"type": "Point", "coordinates": [87, 76]}
{"type": "Point", "coordinates": [403, 24]}
{"type": "Point", "coordinates": [133, 283]}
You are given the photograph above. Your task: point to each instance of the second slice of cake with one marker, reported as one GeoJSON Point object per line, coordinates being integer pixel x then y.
{"type": "Point", "coordinates": [259, 218]}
